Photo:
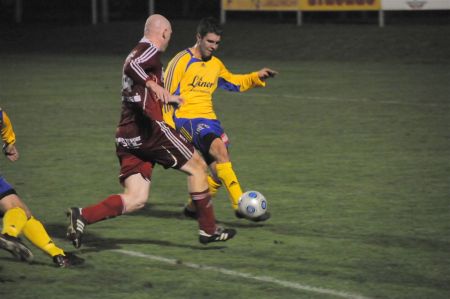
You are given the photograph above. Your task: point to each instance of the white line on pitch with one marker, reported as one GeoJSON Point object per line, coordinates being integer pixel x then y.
{"type": "Point", "coordinates": [287, 284]}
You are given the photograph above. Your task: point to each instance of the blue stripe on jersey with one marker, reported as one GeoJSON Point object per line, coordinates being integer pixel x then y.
{"type": "Point", "coordinates": [177, 91]}
{"type": "Point", "coordinates": [224, 84]}
{"type": "Point", "coordinates": [191, 61]}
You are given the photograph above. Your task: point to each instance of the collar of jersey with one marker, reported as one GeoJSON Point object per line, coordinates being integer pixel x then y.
{"type": "Point", "coordinates": [147, 41]}
{"type": "Point", "coordinates": [193, 58]}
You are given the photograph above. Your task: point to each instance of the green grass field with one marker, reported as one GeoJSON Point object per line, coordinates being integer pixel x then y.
{"type": "Point", "coordinates": [350, 145]}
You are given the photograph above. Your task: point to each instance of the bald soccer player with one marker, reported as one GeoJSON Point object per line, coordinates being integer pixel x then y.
{"type": "Point", "coordinates": [143, 139]}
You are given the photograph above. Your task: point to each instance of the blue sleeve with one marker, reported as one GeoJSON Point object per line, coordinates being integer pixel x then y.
{"type": "Point", "coordinates": [224, 84]}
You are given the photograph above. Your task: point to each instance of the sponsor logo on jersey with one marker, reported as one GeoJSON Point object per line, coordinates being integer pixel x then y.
{"type": "Point", "coordinates": [134, 142]}
{"type": "Point", "coordinates": [197, 81]}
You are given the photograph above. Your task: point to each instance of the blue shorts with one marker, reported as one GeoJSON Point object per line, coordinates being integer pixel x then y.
{"type": "Point", "coordinates": [5, 188]}
{"type": "Point", "coordinates": [194, 129]}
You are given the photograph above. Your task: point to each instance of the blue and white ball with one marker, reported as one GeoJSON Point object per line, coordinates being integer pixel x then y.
{"type": "Point", "coordinates": [252, 204]}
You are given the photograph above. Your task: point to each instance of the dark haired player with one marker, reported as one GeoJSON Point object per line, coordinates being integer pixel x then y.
{"type": "Point", "coordinates": [194, 74]}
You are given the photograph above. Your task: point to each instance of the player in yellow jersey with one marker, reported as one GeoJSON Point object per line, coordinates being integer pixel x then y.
{"type": "Point", "coordinates": [17, 217]}
{"type": "Point", "coordinates": [194, 74]}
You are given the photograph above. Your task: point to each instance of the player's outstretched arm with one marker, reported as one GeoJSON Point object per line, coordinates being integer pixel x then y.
{"type": "Point", "coordinates": [266, 73]}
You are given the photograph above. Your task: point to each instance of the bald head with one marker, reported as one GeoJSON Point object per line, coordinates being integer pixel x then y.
{"type": "Point", "coordinates": [158, 30]}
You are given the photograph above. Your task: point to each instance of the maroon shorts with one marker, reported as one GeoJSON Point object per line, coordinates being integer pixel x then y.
{"type": "Point", "coordinates": [164, 146]}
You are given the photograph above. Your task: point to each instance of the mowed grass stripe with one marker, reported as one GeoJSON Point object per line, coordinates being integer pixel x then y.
{"type": "Point", "coordinates": [346, 100]}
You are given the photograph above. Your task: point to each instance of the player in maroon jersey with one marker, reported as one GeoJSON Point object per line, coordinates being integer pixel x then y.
{"type": "Point", "coordinates": [143, 139]}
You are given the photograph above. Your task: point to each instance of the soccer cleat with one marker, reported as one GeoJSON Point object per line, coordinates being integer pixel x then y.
{"type": "Point", "coordinates": [187, 212]}
{"type": "Point", "coordinates": [221, 234]}
{"type": "Point", "coordinates": [261, 218]}
{"type": "Point", "coordinates": [76, 226]}
{"type": "Point", "coordinates": [16, 248]}
{"type": "Point", "coordinates": [67, 260]}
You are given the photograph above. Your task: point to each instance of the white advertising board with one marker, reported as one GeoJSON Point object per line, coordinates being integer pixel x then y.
{"type": "Point", "coordinates": [415, 4]}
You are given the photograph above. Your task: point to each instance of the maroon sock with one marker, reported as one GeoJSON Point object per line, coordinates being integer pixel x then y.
{"type": "Point", "coordinates": [205, 211]}
{"type": "Point", "coordinates": [112, 206]}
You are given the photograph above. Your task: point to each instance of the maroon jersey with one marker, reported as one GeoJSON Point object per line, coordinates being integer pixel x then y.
{"type": "Point", "coordinates": [139, 105]}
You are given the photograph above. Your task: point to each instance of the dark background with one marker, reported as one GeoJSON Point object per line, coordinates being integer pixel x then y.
{"type": "Point", "coordinates": [79, 11]}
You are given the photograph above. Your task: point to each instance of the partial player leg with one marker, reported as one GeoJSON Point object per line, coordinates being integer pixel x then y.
{"type": "Point", "coordinates": [225, 171]}
{"type": "Point", "coordinates": [134, 197]}
{"type": "Point", "coordinates": [15, 246]}
{"type": "Point", "coordinates": [76, 226]}
{"type": "Point", "coordinates": [14, 219]}
{"type": "Point", "coordinates": [214, 185]}
{"type": "Point", "coordinates": [226, 174]}
{"type": "Point", "coordinates": [36, 233]}
{"type": "Point", "coordinates": [175, 152]}
{"type": "Point", "coordinates": [190, 210]}
{"type": "Point", "coordinates": [79, 218]}
{"type": "Point", "coordinates": [209, 231]}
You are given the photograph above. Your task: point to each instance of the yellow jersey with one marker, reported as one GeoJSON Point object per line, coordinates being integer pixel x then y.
{"type": "Point", "coordinates": [6, 128]}
{"type": "Point", "coordinates": [195, 81]}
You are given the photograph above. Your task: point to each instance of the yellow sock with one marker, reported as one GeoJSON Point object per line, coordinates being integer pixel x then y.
{"type": "Point", "coordinates": [190, 205]}
{"type": "Point", "coordinates": [213, 186]}
{"type": "Point", "coordinates": [13, 221]}
{"type": "Point", "coordinates": [36, 233]}
{"type": "Point", "coordinates": [226, 173]}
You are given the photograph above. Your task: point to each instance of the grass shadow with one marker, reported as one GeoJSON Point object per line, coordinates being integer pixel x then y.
{"type": "Point", "coordinates": [152, 211]}
{"type": "Point", "coordinates": [93, 242]}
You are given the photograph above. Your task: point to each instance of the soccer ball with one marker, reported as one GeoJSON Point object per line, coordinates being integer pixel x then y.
{"type": "Point", "coordinates": [252, 204]}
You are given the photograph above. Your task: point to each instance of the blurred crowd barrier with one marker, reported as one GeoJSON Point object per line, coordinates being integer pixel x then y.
{"type": "Point", "coordinates": [301, 6]}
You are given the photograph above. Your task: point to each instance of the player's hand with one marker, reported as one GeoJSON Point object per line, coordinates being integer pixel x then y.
{"type": "Point", "coordinates": [173, 99]}
{"type": "Point", "coordinates": [161, 94]}
{"type": "Point", "coordinates": [266, 73]}
{"type": "Point", "coordinates": [11, 152]}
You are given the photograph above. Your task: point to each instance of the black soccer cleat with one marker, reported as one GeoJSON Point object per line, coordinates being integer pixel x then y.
{"type": "Point", "coordinates": [263, 217]}
{"type": "Point", "coordinates": [67, 260]}
{"type": "Point", "coordinates": [220, 235]}
{"type": "Point", "coordinates": [188, 213]}
{"type": "Point", "coordinates": [76, 226]}
{"type": "Point", "coordinates": [16, 248]}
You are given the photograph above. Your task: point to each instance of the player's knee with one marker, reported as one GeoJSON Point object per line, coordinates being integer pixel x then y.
{"type": "Point", "coordinates": [134, 201]}
{"type": "Point", "coordinates": [13, 201]}
{"type": "Point", "coordinates": [219, 151]}
{"type": "Point", "coordinates": [196, 168]}
{"type": "Point", "coordinates": [135, 206]}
